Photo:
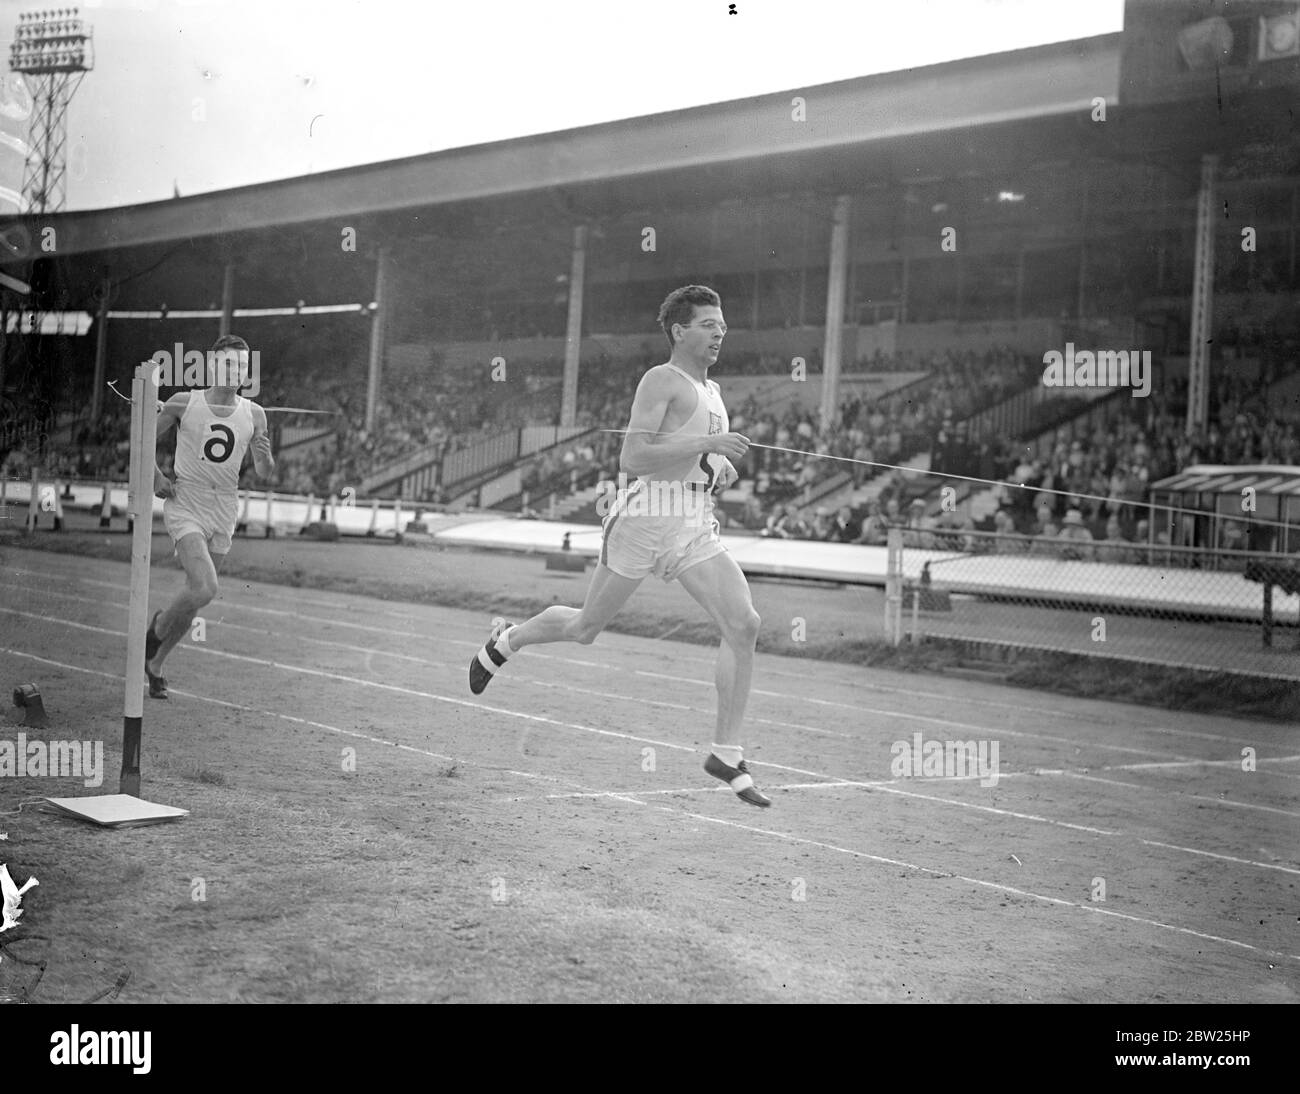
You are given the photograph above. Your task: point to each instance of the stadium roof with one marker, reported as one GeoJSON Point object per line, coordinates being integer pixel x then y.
{"type": "Point", "coordinates": [1214, 479]}
{"type": "Point", "coordinates": [909, 121]}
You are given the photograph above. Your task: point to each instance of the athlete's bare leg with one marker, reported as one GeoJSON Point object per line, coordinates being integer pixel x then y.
{"type": "Point", "coordinates": [720, 588]}
{"type": "Point", "coordinates": [606, 595]}
{"type": "Point", "coordinates": [200, 587]}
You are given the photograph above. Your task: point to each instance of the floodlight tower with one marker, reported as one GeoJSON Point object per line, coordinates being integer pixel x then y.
{"type": "Point", "coordinates": [53, 49]}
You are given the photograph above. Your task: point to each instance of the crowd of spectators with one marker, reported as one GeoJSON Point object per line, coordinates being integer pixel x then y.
{"type": "Point", "coordinates": [887, 431]}
{"type": "Point", "coordinates": [562, 469]}
{"type": "Point", "coordinates": [1086, 500]}
{"type": "Point", "coordinates": [1083, 499]}
{"type": "Point", "coordinates": [1109, 472]}
{"type": "Point", "coordinates": [444, 409]}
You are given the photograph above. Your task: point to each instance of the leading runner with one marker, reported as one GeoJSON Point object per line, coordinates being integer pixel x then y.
{"type": "Point", "coordinates": [679, 447]}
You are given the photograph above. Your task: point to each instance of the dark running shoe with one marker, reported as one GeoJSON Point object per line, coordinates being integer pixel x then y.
{"type": "Point", "coordinates": [739, 779]}
{"type": "Point", "coordinates": [157, 686]}
{"type": "Point", "coordinates": [484, 664]}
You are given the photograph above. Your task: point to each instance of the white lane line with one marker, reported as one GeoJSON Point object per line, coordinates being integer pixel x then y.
{"type": "Point", "coordinates": [529, 680]}
{"type": "Point", "coordinates": [642, 672]}
{"type": "Point", "coordinates": [906, 692]}
{"type": "Point", "coordinates": [568, 725]}
{"type": "Point", "coordinates": [857, 708]}
{"type": "Point", "coordinates": [683, 813]}
{"type": "Point", "coordinates": [1000, 812]}
{"type": "Point", "coordinates": [1058, 901]}
{"type": "Point", "coordinates": [225, 600]}
{"type": "Point", "coordinates": [881, 784]}
{"type": "Point", "coordinates": [1098, 718]}
{"type": "Point", "coordinates": [682, 706]}
{"type": "Point", "coordinates": [1233, 763]}
{"type": "Point", "coordinates": [453, 700]}
{"type": "Point", "coordinates": [1225, 858]}
{"type": "Point", "coordinates": [683, 790]}
{"type": "Point", "coordinates": [1083, 776]}
{"type": "Point", "coordinates": [370, 651]}
{"type": "Point", "coordinates": [1183, 763]}
{"type": "Point", "coordinates": [947, 723]}
{"type": "Point", "coordinates": [355, 734]}
{"type": "Point", "coordinates": [835, 784]}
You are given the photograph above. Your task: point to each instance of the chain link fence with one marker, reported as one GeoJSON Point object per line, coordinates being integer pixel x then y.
{"type": "Point", "coordinates": [1189, 607]}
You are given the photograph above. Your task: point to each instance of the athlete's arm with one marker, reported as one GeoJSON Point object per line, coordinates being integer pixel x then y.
{"type": "Point", "coordinates": [168, 418]}
{"type": "Point", "coordinates": [170, 415]}
{"type": "Point", "coordinates": [645, 451]}
{"type": "Point", "coordinates": [263, 461]}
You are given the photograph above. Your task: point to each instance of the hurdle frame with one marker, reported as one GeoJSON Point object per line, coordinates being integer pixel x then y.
{"type": "Point", "coordinates": [139, 507]}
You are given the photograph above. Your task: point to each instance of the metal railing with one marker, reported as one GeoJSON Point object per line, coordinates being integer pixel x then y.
{"type": "Point", "coordinates": [1207, 608]}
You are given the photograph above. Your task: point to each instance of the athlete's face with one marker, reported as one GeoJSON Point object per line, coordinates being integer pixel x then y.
{"type": "Point", "coordinates": [701, 340]}
{"type": "Point", "coordinates": [230, 368]}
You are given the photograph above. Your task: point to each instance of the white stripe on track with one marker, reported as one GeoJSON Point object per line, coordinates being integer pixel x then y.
{"type": "Point", "coordinates": [947, 723]}
{"type": "Point", "coordinates": [1000, 812]}
{"type": "Point", "coordinates": [669, 809]}
{"type": "Point", "coordinates": [450, 699]}
{"type": "Point", "coordinates": [1083, 775]}
{"type": "Point", "coordinates": [590, 729]}
{"type": "Point", "coordinates": [932, 720]}
{"type": "Point", "coordinates": [453, 700]}
{"type": "Point", "coordinates": [607, 666]}
{"type": "Point", "coordinates": [1060, 902]}
{"type": "Point", "coordinates": [370, 651]}
{"type": "Point", "coordinates": [355, 734]}
{"type": "Point", "coordinates": [1224, 858]}
{"type": "Point", "coordinates": [1097, 718]}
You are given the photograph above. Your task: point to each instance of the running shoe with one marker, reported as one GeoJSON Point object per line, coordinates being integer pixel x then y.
{"type": "Point", "coordinates": [739, 779]}
{"type": "Point", "coordinates": [484, 664]}
{"type": "Point", "coordinates": [157, 685]}
{"type": "Point", "coordinates": [152, 644]}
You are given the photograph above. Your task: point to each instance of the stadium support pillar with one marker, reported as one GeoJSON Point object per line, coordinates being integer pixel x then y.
{"type": "Point", "coordinates": [101, 352]}
{"type": "Point", "coordinates": [1198, 361]}
{"type": "Point", "coordinates": [227, 298]}
{"type": "Point", "coordinates": [377, 337]}
{"type": "Point", "coordinates": [573, 335]}
{"type": "Point", "coordinates": [837, 282]}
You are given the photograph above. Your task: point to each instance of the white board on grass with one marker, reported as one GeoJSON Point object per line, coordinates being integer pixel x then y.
{"type": "Point", "coordinates": [117, 810]}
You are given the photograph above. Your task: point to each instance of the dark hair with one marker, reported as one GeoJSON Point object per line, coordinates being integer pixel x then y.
{"type": "Point", "coordinates": [230, 341]}
{"type": "Point", "coordinates": [680, 304]}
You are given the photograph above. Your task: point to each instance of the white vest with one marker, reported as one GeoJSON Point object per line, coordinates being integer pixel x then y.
{"type": "Point", "coordinates": [709, 417]}
{"type": "Point", "coordinates": [210, 446]}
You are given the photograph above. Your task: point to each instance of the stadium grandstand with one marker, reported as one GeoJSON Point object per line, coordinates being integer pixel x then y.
{"type": "Point", "coordinates": [896, 255]}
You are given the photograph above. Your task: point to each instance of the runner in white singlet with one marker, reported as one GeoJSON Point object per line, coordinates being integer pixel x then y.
{"type": "Point", "coordinates": [216, 427]}
{"type": "Point", "coordinates": [679, 447]}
